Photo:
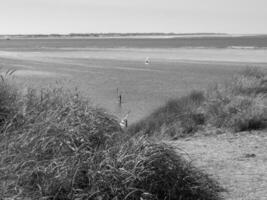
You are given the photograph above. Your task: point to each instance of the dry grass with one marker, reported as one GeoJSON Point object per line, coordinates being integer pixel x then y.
{"type": "Point", "coordinates": [238, 105]}
{"type": "Point", "coordinates": [179, 116]}
{"type": "Point", "coordinates": [54, 145]}
{"type": "Point", "coordinates": [241, 104]}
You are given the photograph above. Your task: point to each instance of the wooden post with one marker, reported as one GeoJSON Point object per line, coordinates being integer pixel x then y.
{"type": "Point", "coordinates": [120, 99]}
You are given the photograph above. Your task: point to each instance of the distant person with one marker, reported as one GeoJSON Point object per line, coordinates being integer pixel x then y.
{"type": "Point", "coordinates": [147, 62]}
{"type": "Point", "coordinates": [124, 121]}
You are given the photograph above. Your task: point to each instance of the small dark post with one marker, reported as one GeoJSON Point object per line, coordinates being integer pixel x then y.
{"type": "Point", "coordinates": [120, 97]}
{"type": "Point", "coordinates": [126, 123]}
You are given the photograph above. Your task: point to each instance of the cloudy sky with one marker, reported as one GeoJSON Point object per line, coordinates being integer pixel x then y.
{"type": "Point", "coordinates": [181, 16]}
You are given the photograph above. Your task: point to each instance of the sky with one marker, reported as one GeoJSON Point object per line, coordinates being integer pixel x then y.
{"type": "Point", "coordinates": [95, 16]}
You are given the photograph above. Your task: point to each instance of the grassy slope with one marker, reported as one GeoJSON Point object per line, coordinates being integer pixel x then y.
{"type": "Point", "coordinates": [54, 145]}
{"type": "Point", "coordinates": [238, 105]}
{"type": "Point", "coordinates": [237, 160]}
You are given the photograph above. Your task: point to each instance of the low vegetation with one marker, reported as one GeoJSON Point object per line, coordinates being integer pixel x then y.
{"type": "Point", "coordinates": [238, 105]}
{"type": "Point", "coordinates": [241, 104]}
{"type": "Point", "coordinates": [55, 145]}
{"type": "Point", "coordinates": [178, 116]}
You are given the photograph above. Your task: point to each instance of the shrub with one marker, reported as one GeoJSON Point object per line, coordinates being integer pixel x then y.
{"type": "Point", "coordinates": [241, 104]}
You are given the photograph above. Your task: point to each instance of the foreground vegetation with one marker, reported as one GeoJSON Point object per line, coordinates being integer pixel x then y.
{"type": "Point", "coordinates": [237, 105]}
{"type": "Point", "coordinates": [55, 145]}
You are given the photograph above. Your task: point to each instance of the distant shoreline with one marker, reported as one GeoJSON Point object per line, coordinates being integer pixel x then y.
{"type": "Point", "coordinates": [123, 35]}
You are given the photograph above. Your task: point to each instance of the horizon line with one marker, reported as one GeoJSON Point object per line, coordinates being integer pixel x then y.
{"type": "Point", "coordinates": [126, 33]}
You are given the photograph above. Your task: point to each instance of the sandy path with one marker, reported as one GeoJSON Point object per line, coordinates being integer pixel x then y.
{"type": "Point", "coordinates": [237, 161]}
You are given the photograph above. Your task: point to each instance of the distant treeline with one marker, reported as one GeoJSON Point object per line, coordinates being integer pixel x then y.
{"type": "Point", "coordinates": [104, 35]}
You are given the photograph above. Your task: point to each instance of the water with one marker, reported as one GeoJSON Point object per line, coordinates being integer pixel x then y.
{"type": "Point", "coordinates": [100, 66]}
{"type": "Point", "coordinates": [199, 42]}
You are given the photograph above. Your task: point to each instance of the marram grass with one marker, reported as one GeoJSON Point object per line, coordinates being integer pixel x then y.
{"type": "Point", "coordinates": [54, 145]}
{"type": "Point", "coordinates": [238, 105]}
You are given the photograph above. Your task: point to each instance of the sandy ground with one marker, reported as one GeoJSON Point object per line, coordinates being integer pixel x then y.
{"type": "Point", "coordinates": [237, 161]}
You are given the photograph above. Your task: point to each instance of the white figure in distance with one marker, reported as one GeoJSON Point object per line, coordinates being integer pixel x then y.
{"type": "Point", "coordinates": [124, 121]}
{"type": "Point", "coordinates": [147, 61]}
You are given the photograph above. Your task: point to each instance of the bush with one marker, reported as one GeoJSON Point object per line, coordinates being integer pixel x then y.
{"type": "Point", "coordinates": [241, 104]}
